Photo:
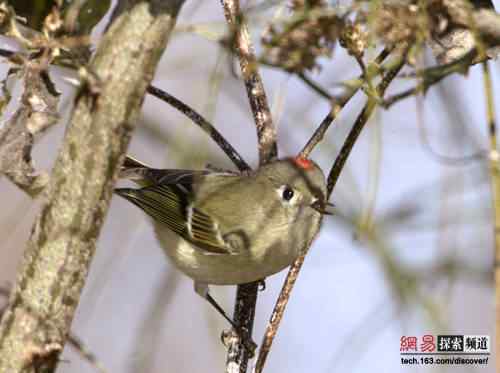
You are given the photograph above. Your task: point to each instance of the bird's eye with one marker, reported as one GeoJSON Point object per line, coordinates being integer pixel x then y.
{"type": "Point", "coordinates": [287, 193]}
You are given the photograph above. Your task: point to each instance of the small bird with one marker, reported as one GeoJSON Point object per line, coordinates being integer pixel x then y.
{"type": "Point", "coordinates": [226, 228]}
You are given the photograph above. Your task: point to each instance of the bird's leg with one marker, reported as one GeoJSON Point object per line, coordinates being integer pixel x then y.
{"type": "Point", "coordinates": [203, 290]}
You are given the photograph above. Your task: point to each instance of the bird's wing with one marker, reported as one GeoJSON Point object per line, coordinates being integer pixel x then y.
{"type": "Point", "coordinates": [170, 204]}
{"type": "Point", "coordinates": [147, 176]}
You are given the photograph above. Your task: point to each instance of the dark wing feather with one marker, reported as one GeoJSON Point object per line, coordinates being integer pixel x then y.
{"type": "Point", "coordinates": [147, 176]}
{"type": "Point", "coordinates": [169, 204]}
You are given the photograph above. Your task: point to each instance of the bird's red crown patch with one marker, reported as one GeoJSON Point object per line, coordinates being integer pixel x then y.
{"type": "Point", "coordinates": [303, 163]}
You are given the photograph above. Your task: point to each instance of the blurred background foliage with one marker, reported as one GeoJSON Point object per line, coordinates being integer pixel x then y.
{"type": "Point", "coordinates": [34, 12]}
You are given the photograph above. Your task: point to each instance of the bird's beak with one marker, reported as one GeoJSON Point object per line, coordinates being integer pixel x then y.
{"type": "Point", "coordinates": [325, 208]}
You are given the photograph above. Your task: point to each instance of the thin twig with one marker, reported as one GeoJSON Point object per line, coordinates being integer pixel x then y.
{"type": "Point", "coordinates": [85, 353]}
{"type": "Point", "coordinates": [278, 311]}
{"type": "Point", "coordinates": [266, 132]}
{"type": "Point", "coordinates": [425, 141]}
{"type": "Point", "coordinates": [315, 86]}
{"type": "Point", "coordinates": [6, 53]}
{"type": "Point", "coordinates": [337, 106]}
{"type": "Point", "coordinates": [431, 76]}
{"type": "Point", "coordinates": [244, 314]}
{"type": "Point", "coordinates": [204, 124]}
{"type": "Point", "coordinates": [320, 131]}
{"type": "Point", "coordinates": [192, 114]}
{"type": "Point", "coordinates": [495, 188]}
{"type": "Point", "coordinates": [294, 271]}
{"type": "Point", "coordinates": [359, 124]}
{"type": "Point", "coordinates": [37, 111]}
{"type": "Point", "coordinates": [246, 295]}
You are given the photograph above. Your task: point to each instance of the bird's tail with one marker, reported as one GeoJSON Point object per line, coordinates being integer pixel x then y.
{"type": "Point", "coordinates": [134, 170]}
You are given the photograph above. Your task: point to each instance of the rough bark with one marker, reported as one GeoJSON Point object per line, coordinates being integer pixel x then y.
{"type": "Point", "coordinates": [56, 261]}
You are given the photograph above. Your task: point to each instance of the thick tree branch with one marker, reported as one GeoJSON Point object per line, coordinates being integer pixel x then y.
{"type": "Point", "coordinates": [36, 324]}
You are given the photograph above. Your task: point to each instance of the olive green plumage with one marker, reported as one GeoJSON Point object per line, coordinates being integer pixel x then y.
{"type": "Point", "coordinates": [227, 228]}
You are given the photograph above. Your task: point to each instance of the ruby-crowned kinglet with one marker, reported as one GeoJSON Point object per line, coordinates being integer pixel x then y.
{"type": "Point", "coordinates": [228, 228]}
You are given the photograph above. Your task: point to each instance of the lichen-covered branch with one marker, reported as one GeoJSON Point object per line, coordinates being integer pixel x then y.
{"type": "Point", "coordinates": [266, 132]}
{"type": "Point", "coordinates": [35, 326]}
